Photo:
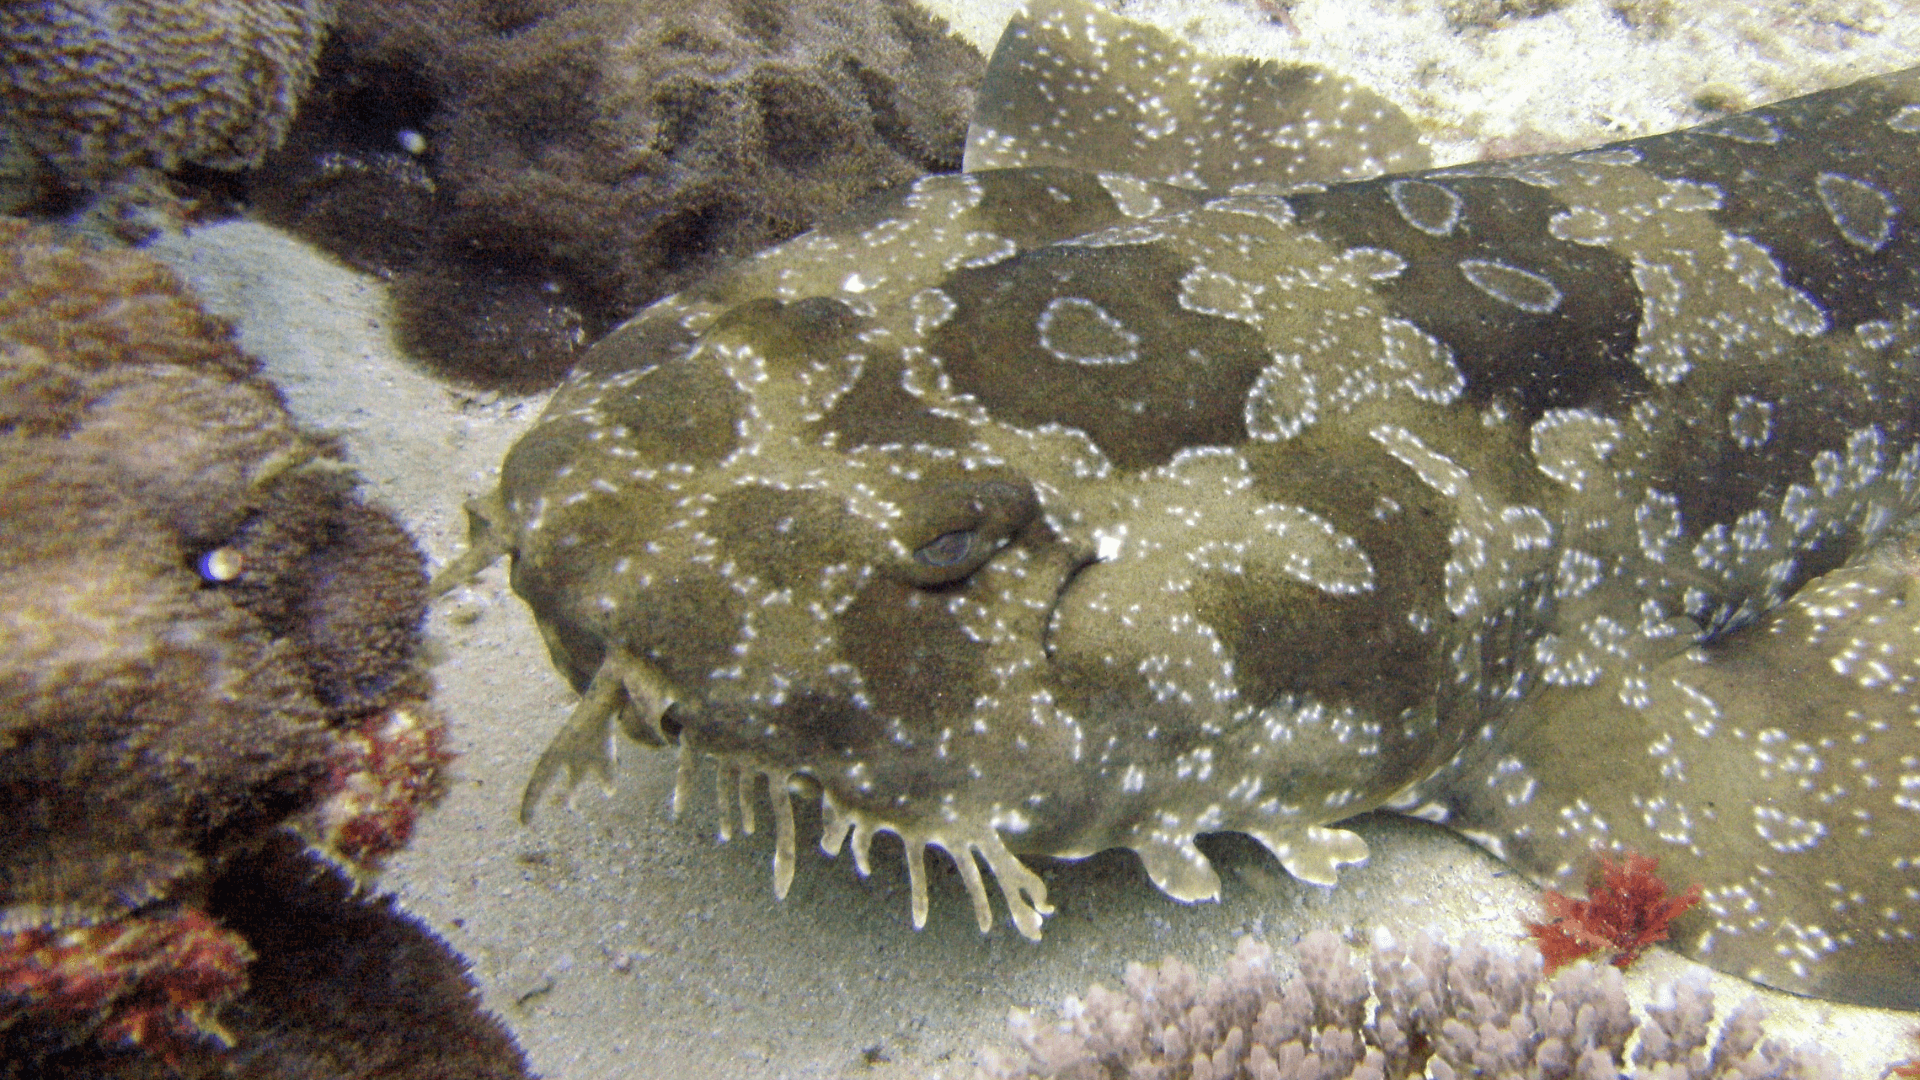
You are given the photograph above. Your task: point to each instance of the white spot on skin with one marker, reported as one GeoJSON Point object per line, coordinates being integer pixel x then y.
{"type": "Point", "coordinates": [1750, 421]}
{"type": "Point", "coordinates": [1787, 833]}
{"type": "Point", "coordinates": [1133, 197]}
{"type": "Point", "coordinates": [1581, 225]}
{"type": "Point", "coordinates": [1080, 331]}
{"type": "Point", "coordinates": [1316, 553]}
{"type": "Point", "coordinates": [1658, 521]}
{"type": "Point", "coordinates": [1689, 196]}
{"type": "Point", "coordinates": [1622, 156]}
{"type": "Point", "coordinates": [1876, 334]}
{"type": "Point", "coordinates": [1210, 292]}
{"type": "Point", "coordinates": [931, 308]}
{"type": "Point", "coordinates": [1264, 208]}
{"type": "Point", "coordinates": [1283, 400]}
{"type": "Point", "coordinates": [1374, 264]}
{"type": "Point", "coordinates": [1571, 446]}
{"type": "Point", "coordinates": [1576, 575]}
{"type": "Point", "coordinates": [1863, 213]}
{"type": "Point", "coordinates": [1432, 208]}
{"type": "Point", "coordinates": [1511, 285]}
{"type": "Point", "coordinates": [1751, 128]}
{"type": "Point", "coordinates": [979, 249]}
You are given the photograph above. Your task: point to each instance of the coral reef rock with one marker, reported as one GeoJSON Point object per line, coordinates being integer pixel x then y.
{"type": "Point", "coordinates": [1429, 1009]}
{"type": "Point", "coordinates": [532, 172]}
{"type": "Point", "coordinates": [99, 87]}
{"type": "Point", "coordinates": [398, 1002]}
{"type": "Point", "coordinates": [342, 985]}
{"type": "Point", "coordinates": [205, 635]}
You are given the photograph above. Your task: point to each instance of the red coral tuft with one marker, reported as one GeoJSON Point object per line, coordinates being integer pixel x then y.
{"type": "Point", "coordinates": [1625, 912]}
{"type": "Point", "coordinates": [391, 765]}
{"type": "Point", "coordinates": [153, 981]}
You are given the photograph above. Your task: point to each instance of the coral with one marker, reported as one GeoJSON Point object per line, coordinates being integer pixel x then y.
{"type": "Point", "coordinates": [342, 985]}
{"type": "Point", "coordinates": [1627, 910]}
{"type": "Point", "coordinates": [390, 767]}
{"type": "Point", "coordinates": [342, 581]}
{"type": "Point", "coordinates": [150, 981]}
{"type": "Point", "coordinates": [1428, 1010]}
{"type": "Point", "coordinates": [96, 307]}
{"type": "Point", "coordinates": [347, 986]}
{"type": "Point", "coordinates": [147, 721]}
{"type": "Point", "coordinates": [533, 172]}
{"type": "Point", "coordinates": [205, 636]}
{"type": "Point", "coordinates": [98, 87]}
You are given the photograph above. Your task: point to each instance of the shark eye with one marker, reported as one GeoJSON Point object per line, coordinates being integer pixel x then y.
{"type": "Point", "coordinates": [947, 549]}
{"type": "Point", "coordinates": [956, 525]}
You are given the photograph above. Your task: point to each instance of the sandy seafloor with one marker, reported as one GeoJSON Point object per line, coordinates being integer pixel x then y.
{"type": "Point", "coordinates": [618, 943]}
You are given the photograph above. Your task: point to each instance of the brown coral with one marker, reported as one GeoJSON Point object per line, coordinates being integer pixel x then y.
{"type": "Point", "coordinates": [341, 985]}
{"type": "Point", "coordinates": [347, 985]}
{"type": "Point", "coordinates": [96, 307]}
{"type": "Point", "coordinates": [98, 87]}
{"type": "Point", "coordinates": [534, 172]}
{"type": "Point", "coordinates": [204, 636]}
{"type": "Point", "coordinates": [340, 580]}
{"type": "Point", "coordinates": [148, 722]}
{"type": "Point", "coordinates": [1428, 1010]}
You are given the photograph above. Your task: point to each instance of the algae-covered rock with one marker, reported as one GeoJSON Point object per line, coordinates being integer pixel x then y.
{"type": "Point", "coordinates": [206, 637]}
{"type": "Point", "coordinates": [533, 172]}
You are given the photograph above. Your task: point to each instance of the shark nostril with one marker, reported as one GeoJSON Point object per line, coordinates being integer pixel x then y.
{"type": "Point", "coordinates": [671, 723]}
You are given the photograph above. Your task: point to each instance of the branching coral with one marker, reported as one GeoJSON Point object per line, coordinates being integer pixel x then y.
{"type": "Point", "coordinates": [534, 172]}
{"type": "Point", "coordinates": [1428, 1010]}
{"type": "Point", "coordinates": [101, 86]}
{"type": "Point", "coordinates": [1627, 910]}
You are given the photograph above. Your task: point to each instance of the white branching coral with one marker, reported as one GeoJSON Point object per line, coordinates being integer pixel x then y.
{"type": "Point", "coordinates": [100, 86]}
{"type": "Point", "coordinates": [1428, 1010]}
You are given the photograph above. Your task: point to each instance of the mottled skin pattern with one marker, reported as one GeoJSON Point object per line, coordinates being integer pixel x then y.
{"type": "Point", "coordinates": [1047, 510]}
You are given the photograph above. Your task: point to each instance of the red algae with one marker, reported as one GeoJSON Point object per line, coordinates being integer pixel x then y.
{"type": "Point", "coordinates": [1628, 909]}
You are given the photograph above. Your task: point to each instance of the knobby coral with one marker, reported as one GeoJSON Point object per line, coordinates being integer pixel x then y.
{"type": "Point", "coordinates": [205, 635]}
{"type": "Point", "coordinates": [532, 172]}
{"type": "Point", "coordinates": [98, 87]}
{"type": "Point", "coordinates": [1627, 910]}
{"type": "Point", "coordinates": [1429, 1009]}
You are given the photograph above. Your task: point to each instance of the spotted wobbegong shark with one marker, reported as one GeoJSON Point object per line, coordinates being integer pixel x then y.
{"type": "Point", "coordinates": [1200, 460]}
